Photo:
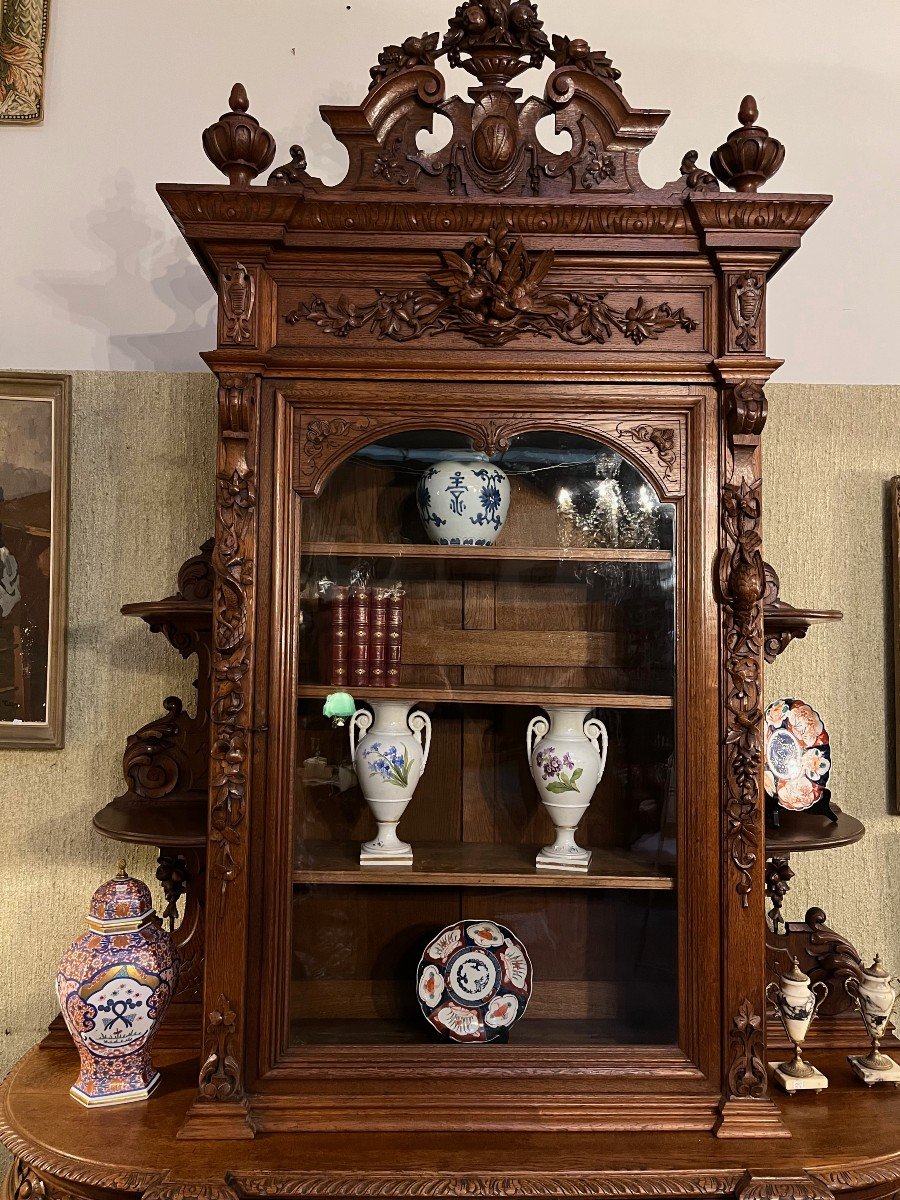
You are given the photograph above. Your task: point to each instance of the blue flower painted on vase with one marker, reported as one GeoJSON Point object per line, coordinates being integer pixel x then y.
{"type": "Point", "coordinates": [390, 764]}
{"type": "Point", "coordinates": [491, 499]}
{"type": "Point", "coordinates": [423, 494]}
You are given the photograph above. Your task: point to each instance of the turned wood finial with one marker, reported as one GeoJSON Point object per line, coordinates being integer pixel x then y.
{"type": "Point", "coordinates": [749, 157]}
{"type": "Point", "coordinates": [237, 144]}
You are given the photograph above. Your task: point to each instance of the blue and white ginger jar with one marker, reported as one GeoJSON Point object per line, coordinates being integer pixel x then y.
{"type": "Point", "coordinates": [463, 502]}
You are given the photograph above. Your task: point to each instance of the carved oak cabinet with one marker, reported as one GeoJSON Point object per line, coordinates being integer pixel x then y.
{"type": "Point", "coordinates": [604, 343]}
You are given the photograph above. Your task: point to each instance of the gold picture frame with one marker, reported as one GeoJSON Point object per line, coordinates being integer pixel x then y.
{"type": "Point", "coordinates": [34, 516]}
{"type": "Point", "coordinates": [23, 50]}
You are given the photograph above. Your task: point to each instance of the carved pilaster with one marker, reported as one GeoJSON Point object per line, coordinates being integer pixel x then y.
{"type": "Point", "coordinates": [741, 585]}
{"type": "Point", "coordinates": [231, 722]}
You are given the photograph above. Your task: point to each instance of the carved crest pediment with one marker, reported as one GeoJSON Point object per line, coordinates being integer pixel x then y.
{"type": "Point", "coordinates": [494, 147]}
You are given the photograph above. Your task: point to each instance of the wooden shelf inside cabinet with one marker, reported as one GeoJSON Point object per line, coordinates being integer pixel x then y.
{"type": "Point", "coordinates": [475, 864]}
{"type": "Point", "coordinates": [492, 695]}
{"type": "Point", "coordinates": [524, 554]}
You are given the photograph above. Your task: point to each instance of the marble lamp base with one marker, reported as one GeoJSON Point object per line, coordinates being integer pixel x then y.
{"type": "Point", "coordinates": [815, 1081]}
{"type": "Point", "coordinates": [861, 1064]}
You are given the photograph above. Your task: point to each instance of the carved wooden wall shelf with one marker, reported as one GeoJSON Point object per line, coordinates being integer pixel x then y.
{"type": "Point", "coordinates": [783, 622]}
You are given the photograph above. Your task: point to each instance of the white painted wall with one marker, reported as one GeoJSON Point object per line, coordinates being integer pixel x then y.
{"type": "Point", "coordinates": [95, 276]}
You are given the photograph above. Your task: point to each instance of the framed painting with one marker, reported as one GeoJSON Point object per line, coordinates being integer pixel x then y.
{"type": "Point", "coordinates": [23, 45]}
{"type": "Point", "coordinates": [34, 503]}
{"type": "Point", "coordinates": [894, 504]}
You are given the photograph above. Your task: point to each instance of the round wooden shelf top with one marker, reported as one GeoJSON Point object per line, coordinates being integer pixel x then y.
{"type": "Point", "coordinates": [175, 821]}
{"type": "Point", "coordinates": [842, 1144]}
{"type": "Point", "coordinates": [802, 832]}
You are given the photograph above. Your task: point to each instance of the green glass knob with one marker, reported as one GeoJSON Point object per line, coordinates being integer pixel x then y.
{"type": "Point", "coordinates": [340, 706]}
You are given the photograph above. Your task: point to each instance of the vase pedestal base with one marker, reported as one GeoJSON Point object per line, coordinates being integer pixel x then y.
{"type": "Point", "coordinates": [371, 855]}
{"type": "Point", "coordinates": [119, 1098]}
{"type": "Point", "coordinates": [870, 1075]}
{"type": "Point", "coordinates": [579, 862]}
{"type": "Point", "coordinates": [815, 1082]}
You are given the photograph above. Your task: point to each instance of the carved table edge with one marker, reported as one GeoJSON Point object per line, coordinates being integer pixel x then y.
{"type": "Point", "coordinates": [500, 1183]}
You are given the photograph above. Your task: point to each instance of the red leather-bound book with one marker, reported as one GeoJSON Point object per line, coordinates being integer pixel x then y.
{"type": "Point", "coordinates": [394, 636]}
{"type": "Point", "coordinates": [359, 636]}
{"type": "Point", "coordinates": [378, 638]}
{"type": "Point", "coordinates": [339, 604]}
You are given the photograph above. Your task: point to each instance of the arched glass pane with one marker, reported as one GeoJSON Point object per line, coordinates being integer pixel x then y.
{"type": "Point", "coordinates": [535, 597]}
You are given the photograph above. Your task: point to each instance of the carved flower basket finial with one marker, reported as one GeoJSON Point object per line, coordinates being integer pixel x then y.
{"type": "Point", "coordinates": [749, 157]}
{"type": "Point", "coordinates": [237, 144]}
{"type": "Point", "coordinates": [497, 35]}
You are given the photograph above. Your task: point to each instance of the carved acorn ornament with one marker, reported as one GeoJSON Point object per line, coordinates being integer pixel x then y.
{"type": "Point", "coordinates": [749, 157]}
{"type": "Point", "coordinates": [237, 144]}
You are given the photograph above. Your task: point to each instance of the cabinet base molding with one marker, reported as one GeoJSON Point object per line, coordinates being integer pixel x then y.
{"type": "Point", "coordinates": [210, 1120]}
{"type": "Point", "coordinates": [751, 1119]}
{"type": "Point", "coordinates": [514, 1111]}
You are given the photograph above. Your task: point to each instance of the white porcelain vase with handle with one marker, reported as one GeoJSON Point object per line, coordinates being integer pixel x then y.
{"type": "Point", "coordinates": [567, 756]}
{"type": "Point", "coordinates": [390, 749]}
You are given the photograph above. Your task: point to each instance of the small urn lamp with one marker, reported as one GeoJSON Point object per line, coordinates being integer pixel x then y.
{"type": "Point", "coordinates": [796, 1003]}
{"type": "Point", "coordinates": [876, 998]}
{"type": "Point", "coordinates": [114, 985]}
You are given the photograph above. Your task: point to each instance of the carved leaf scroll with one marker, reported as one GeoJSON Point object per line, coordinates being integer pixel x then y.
{"type": "Point", "coordinates": [747, 1074]}
{"type": "Point", "coordinates": [490, 294]}
{"type": "Point", "coordinates": [220, 1075]}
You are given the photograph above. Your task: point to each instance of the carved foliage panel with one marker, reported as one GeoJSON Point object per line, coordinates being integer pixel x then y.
{"type": "Point", "coordinates": [493, 292]}
{"type": "Point", "coordinates": [655, 443]}
{"type": "Point", "coordinates": [233, 560]}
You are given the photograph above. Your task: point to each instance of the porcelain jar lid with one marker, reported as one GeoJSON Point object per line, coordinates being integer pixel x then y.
{"type": "Point", "coordinates": [120, 905]}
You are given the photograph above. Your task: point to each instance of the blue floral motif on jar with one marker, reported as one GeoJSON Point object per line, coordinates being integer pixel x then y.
{"type": "Point", "coordinates": [454, 496]}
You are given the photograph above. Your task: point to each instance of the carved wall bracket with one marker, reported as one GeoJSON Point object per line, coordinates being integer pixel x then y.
{"type": "Point", "coordinates": [784, 622]}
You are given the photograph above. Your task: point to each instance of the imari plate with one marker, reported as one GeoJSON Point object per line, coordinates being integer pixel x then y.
{"type": "Point", "coordinates": [798, 756]}
{"type": "Point", "coordinates": [474, 981]}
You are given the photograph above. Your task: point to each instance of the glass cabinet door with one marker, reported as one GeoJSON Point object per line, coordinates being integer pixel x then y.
{"type": "Point", "coordinates": [526, 606]}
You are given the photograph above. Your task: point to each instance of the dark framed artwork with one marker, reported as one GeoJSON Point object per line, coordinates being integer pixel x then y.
{"type": "Point", "coordinates": [34, 510]}
{"type": "Point", "coordinates": [23, 46]}
{"type": "Point", "coordinates": [895, 623]}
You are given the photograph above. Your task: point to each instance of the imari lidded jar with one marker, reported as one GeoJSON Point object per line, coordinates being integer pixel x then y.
{"type": "Point", "coordinates": [114, 984]}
